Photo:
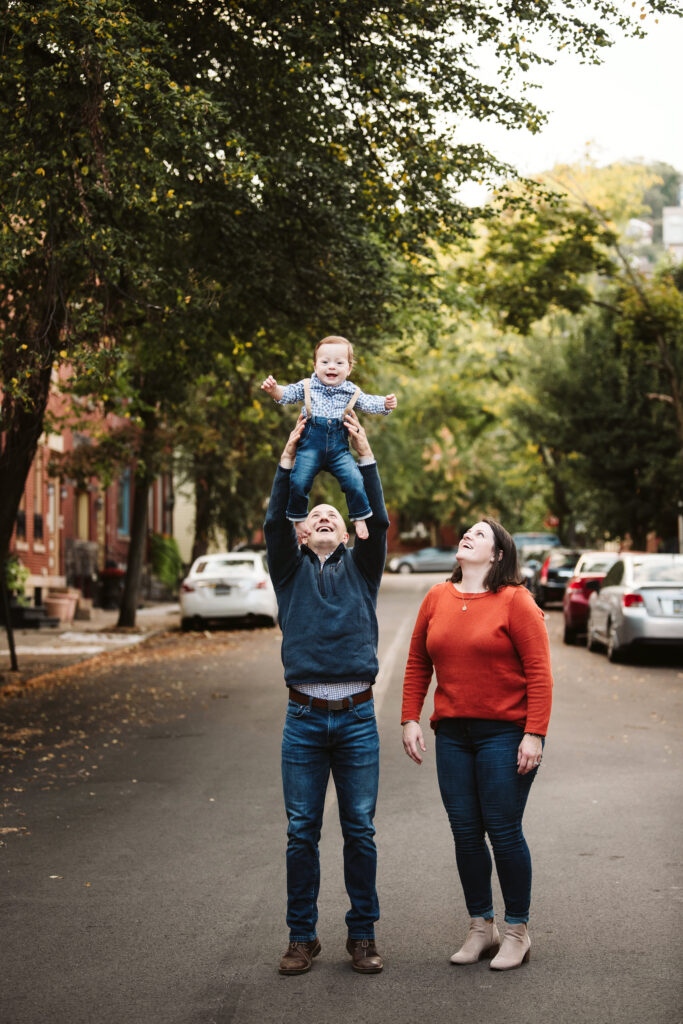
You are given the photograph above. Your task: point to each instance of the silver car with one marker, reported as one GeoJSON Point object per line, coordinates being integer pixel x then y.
{"type": "Point", "coordinates": [425, 560]}
{"type": "Point", "coordinates": [640, 603]}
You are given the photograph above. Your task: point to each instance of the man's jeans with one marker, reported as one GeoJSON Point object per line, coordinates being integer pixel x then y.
{"type": "Point", "coordinates": [347, 743]}
{"type": "Point", "coordinates": [324, 444]}
{"type": "Point", "coordinates": [476, 761]}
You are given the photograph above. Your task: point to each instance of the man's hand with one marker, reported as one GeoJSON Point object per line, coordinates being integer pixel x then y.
{"type": "Point", "coordinates": [289, 451]}
{"type": "Point", "coordinates": [357, 435]}
{"type": "Point", "coordinates": [413, 741]}
{"type": "Point", "coordinates": [390, 402]}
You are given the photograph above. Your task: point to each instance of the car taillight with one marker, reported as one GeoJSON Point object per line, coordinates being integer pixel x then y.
{"type": "Point", "coordinates": [186, 588]}
{"type": "Point", "coordinates": [575, 585]}
{"type": "Point", "coordinates": [632, 600]}
{"type": "Point", "coordinates": [544, 571]}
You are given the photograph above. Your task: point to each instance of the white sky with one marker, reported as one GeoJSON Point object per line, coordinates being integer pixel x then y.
{"type": "Point", "coordinates": [628, 108]}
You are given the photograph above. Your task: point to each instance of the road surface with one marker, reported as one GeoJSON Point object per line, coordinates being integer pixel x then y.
{"type": "Point", "coordinates": [144, 839]}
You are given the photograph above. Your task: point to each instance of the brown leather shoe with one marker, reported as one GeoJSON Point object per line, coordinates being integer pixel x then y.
{"type": "Point", "coordinates": [365, 957]}
{"type": "Point", "coordinates": [297, 959]}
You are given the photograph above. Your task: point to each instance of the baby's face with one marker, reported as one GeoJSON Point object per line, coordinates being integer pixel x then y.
{"type": "Point", "coordinates": [332, 364]}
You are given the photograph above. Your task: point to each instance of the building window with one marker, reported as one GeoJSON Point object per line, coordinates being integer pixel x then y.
{"type": "Point", "coordinates": [21, 524]}
{"type": "Point", "coordinates": [83, 515]}
{"type": "Point", "coordinates": [123, 505]}
{"type": "Point", "coordinates": [38, 527]}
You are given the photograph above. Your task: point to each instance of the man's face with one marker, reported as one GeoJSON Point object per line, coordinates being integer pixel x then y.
{"type": "Point", "coordinates": [332, 364]}
{"type": "Point", "coordinates": [327, 529]}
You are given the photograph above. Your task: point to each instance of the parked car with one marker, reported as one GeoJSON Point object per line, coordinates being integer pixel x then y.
{"type": "Point", "coordinates": [530, 561]}
{"type": "Point", "coordinates": [640, 603]}
{"type": "Point", "coordinates": [228, 586]}
{"type": "Point", "coordinates": [551, 579]}
{"type": "Point", "coordinates": [425, 560]}
{"type": "Point", "coordinates": [589, 573]}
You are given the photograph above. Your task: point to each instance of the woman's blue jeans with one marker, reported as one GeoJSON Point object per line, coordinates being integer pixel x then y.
{"type": "Point", "coordinates": [324, 444]}
{"type": "Point", "coordinates": [314, 743]}
{"type": "Point", "coordinates": [483, 793]}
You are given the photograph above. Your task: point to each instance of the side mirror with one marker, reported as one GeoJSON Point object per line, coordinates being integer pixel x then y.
{"type": "Point", "coordinates": [593, 585]}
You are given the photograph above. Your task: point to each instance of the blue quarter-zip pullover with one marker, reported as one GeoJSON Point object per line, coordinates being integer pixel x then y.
{"type": "Point", "coordinates": [327, 610]}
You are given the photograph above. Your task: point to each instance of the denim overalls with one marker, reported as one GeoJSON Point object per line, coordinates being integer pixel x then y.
{"type": "Point", "coordinates": [324, 444]}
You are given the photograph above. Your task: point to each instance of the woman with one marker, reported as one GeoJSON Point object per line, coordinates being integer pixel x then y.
{"type": "Point", "coordinates": [486, 639]}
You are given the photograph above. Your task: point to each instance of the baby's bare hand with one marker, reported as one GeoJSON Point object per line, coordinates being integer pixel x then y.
{"type": "Point", "coordinates": [269, 383]}
{"type": "Point", "coordinates": [390, 402]}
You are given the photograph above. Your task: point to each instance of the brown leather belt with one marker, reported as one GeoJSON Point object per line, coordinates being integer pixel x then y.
{"type": "Point", "coordinates": [331, 705]}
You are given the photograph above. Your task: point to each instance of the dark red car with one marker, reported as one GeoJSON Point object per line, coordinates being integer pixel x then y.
{"type": "Point", "coordinates": [589, 573]}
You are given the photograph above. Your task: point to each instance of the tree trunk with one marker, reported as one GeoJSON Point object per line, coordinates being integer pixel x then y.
{"type": "Point", "coordinates": [202, 516]}
{"type": "Point", "coordinates": [136, 551]}
{"type": "Point", "coordinates": [18, 448]}
{"type": "Point", "coordinates": [561, 505]}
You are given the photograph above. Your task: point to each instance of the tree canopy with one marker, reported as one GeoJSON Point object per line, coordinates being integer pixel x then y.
{"type": "Point", "coordinates": [195, 193]}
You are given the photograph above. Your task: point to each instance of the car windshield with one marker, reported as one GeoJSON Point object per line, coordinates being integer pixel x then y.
{"type": "Point", "coordinates": [658, 572]}
{"type": "Point", "coordinates": [563, 559]}
{"type": "Point", "coordinates": [222, 566]}
{"type": "Point", "coordinates": [597, 563]}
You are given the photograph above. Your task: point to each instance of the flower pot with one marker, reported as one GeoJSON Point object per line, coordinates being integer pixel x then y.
{"type": "Point", "coordinates": [62, 607]}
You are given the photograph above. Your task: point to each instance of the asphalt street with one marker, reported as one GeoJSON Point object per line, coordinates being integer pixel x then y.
{"type": "Point", "coordinates": [143, 840]}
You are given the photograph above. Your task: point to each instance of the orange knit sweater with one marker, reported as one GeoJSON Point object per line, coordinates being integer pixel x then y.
{"type": "Point", "coordinates": [492, 658]}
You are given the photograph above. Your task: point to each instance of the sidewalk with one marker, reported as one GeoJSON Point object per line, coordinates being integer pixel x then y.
{"type": "Point", "coordinates": [45, 650]}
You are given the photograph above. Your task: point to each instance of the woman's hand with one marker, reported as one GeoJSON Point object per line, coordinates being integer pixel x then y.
{"type": "Point", "coordinates": [413, 741]}
{"type": "Point", "coordinates": [529, 753]}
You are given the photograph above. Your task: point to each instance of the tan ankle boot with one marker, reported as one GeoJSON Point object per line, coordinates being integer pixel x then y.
{"type": "Point", "coordinates": [482, 941]}
{"type": "Point", "coordinates": [515, 948]}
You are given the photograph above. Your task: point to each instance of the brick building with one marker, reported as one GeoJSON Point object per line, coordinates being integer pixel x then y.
{"type": "Point", "coordinates": [66, 533]}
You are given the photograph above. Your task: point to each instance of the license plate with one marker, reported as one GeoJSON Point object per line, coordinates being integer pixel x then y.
{"type": "Point", "coordinates": [222, 588]}
{"type": "Point", "coordinates": [678, 607]}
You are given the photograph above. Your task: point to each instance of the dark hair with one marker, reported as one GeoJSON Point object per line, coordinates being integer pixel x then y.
{"type": "Point", "coordinates": [505, 569]}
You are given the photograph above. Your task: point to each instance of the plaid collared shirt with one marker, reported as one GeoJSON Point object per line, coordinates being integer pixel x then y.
{"type": "Point", "coordinates": [331, 691]}
{"type": "Point", "coordinates": [331, 402]}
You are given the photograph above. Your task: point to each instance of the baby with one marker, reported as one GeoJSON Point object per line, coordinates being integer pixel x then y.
{"type": "Point", "coordinates": [324, 442]}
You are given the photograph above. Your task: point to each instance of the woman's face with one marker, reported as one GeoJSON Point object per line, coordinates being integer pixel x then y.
{"type": "Point", "coordinates": [477, 546]}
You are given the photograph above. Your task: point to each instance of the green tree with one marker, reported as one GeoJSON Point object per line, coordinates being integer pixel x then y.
{"type": "Point", "coordinates": [231, 175]}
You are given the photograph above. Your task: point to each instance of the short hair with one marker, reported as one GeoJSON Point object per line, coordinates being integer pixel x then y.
{"type": "Point", "coordinates": [334, 339]}
{"type": "Point", "coordinates": [505, 569]}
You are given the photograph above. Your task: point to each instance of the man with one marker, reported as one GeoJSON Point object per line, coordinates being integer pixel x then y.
{"type": "Point", "coordinates": [327, 598]}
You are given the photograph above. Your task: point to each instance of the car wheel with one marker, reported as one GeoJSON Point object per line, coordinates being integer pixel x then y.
{"type": "Point", "coordinates": [592, 643]}
{"type": "Point", "coordinates": [187, 624]}
{"type": "Point", "coordinates": [404, 568]}
{"type": "Point", "coordinates": [614, 650]}
{"type": "Point", "coordinates": [569, 636]}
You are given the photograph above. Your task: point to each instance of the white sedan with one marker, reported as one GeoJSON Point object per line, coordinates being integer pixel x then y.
{"type": "Point", "coordinates": [228, 586]}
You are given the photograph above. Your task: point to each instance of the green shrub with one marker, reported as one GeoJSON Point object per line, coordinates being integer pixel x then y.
{"type": "Point", "coordinates": [167, 565]}
{"type": "Point", "coordinates": [16, 575]}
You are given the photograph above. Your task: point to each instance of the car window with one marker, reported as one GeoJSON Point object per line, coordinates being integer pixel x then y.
{"type": "Point", "coordinates": [656, 572]}
{"type": "Point", "coordinates": [230, 565]}
{"type": "Point", "coordinates": [596, 563]}
{"type": "Point", "coordinates": [615, 575]}
{"type": "Point", "coordinates": [563, 559]}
